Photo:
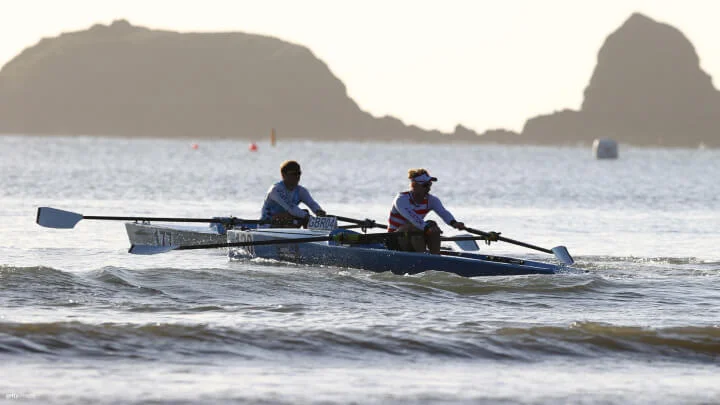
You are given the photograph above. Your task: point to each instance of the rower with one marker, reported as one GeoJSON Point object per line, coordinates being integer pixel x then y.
{"type": "Point", "coordinates": [282, 200]}
{"type": "Point", "coordinates": [408, 212]}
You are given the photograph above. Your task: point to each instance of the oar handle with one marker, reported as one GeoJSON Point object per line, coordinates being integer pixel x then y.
{"type": "Point", "coordinates": [508, 240]}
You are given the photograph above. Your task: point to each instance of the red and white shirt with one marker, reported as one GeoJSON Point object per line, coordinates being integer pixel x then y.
{"type": "Point", "coordinates": [405, 210]}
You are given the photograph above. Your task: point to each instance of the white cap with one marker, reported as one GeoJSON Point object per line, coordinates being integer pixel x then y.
{"type": "Point", "coordinates": [423, 178]}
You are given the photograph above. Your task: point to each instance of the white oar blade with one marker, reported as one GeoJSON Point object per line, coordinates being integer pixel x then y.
{"type": "Point", "coordinates": [149, 249]}
{"type": "Point", "coordinates": [563, 255]}
{"type": "Point", "coordinates": [55, 218]}
{"type": "Point", "coordinates": [467, 245]}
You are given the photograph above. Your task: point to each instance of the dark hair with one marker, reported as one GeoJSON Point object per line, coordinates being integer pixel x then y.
{"type": "Point", "coordinates": [289, 165]}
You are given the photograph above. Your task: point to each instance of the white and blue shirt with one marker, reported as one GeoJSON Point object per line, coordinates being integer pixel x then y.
{"type": "Point", "coordinates": [279, 199]}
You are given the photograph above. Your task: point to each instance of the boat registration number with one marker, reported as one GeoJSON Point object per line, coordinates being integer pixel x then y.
{"type": "Point", "coordinates": [163, 238]}
{"type": "Point", "coordinates": [322, 223]}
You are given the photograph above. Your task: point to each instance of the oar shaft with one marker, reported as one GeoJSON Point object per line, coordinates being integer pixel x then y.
{"type": "Point", "coordinates": [527, 245]}
{"type": "Point", "coordinates": [173, 219]}
{"type": "Point", "coordinates": [366, 222]}
{"type": "Point", "coordinates": [341, 237]}
{"type": "Point", "coordinates": [461, 238]}
{"type": "Point", "coordinates": [254, 243]}
{"type": "Point", "coordinates": [508, 240]}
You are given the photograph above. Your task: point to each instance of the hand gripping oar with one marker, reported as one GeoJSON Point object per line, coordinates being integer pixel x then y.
{"type": "Point", "coordinates": [55, 218]}
{"type": "Point", "coordinates": [339, 237]}
{"type": "Point", "coordinates": [560, 252]}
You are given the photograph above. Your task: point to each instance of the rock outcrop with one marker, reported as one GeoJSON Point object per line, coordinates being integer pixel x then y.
{"type": "Point", "coordinates": [125, 80]}
{"type": "Point", "coordinates": [647, 89]}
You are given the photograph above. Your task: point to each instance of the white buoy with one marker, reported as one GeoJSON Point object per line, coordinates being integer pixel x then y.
{"type": "Point", "coordinates": [605, 148]}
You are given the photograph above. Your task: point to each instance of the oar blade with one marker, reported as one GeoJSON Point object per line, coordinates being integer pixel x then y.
{"type": "Point", "coordinates": [467, 245]}
{"type": "Point", "coordinates": [150, 249]}
{"type": "Point", "coordinates": [563, 255]}
{"type": "Point", "coordinates": [55, 218]}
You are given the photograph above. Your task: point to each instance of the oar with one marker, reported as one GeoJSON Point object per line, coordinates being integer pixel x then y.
{"type": "Point", "coordinates": [340, 237]}
{"type": "Point", "coordinates": [464, 241]}
{"type": "Point", "coordinates": [461, 238]}
{"type": "Point", "coordinates": [560, 252]}
{"type": "Point", "coordinates": [366, 223]}
{"type": "Point", "coordinates": [55, 218]}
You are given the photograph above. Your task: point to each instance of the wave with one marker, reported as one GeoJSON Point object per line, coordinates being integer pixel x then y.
{"type": "Point", "coordinates": [109, 278]}
{"type": "Point", "coordinates": [641, 260]}
{"type": "Point", "coordinates": [442, 283]}
{"type": "Point", "coordinates": [12, 275]}
{"type": "Point", "coordinates": [43, 283]}
{"type": "Point", "coordinates": [474, 341]}
{"type": "Point", "coordinates": [40, 285]}
{"type": "Point", "coordinates": [592, 338]}
{"type": "Point", "coordinates": [649, 266]}
{"type": "Point", "coordinates": [186, 290]}
{"type": "Point", "coordinates": [37, 285]}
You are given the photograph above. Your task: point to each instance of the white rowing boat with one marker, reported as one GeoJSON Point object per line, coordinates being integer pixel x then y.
{"type": "Point", "coordinates": [145, 233]}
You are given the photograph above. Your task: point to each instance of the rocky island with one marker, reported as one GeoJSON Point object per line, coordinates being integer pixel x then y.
{"type": "Point", "coordinates": [123, 80]}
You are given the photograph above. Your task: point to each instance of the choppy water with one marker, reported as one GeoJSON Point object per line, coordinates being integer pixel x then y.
{"type": "Point", "coordinates": [82, 321]}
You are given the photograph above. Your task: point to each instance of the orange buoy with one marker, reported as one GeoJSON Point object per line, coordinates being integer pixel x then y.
{"type": "Point", "coordinates": [194, 146]}
{"type": "Point", "coordinates": [252, 147]}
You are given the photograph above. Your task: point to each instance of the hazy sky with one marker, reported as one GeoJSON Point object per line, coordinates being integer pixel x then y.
{"type": "Point", "coordinates": [483, 64]}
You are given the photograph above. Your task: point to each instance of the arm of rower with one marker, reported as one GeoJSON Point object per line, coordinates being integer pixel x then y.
{"type": "Point", "coordinates": [307, 199]}
{"type": "Point", "coordinates": [293, 210]}
{"type": "Point", "coordinates": [436, 205]}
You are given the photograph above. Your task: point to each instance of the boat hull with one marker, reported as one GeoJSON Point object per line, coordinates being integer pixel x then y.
{"type": "Point", "coordinates": [376, 258]}
{"type": "Point", "coordinates": [168, 235]}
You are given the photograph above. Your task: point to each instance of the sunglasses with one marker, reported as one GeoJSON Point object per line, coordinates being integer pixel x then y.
{"type": "Point", "coordinates": [426, 185]}
{"type": "Point", "coordinates": [293, 173]}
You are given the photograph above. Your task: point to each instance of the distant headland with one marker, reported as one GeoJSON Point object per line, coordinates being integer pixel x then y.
{"type": "Point", "coordinates": [647, 89]}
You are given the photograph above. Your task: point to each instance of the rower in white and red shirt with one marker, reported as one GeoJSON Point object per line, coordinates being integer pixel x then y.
{"type": "Point", "coordinates": [408, 215]}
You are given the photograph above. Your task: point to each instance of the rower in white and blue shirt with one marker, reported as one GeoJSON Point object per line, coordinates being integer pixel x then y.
{"type": "Point", "coordinates": [281, 203]}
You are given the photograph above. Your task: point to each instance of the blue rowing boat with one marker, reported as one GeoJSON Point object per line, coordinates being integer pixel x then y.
{"type": "Point", "coordinates": [323, 243]}
{"type": "Point", "coordinates": [372, 256]}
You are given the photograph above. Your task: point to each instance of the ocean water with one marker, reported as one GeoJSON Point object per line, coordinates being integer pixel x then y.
{"type": "Point", "coordinates": [84, 322]}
